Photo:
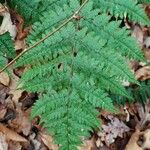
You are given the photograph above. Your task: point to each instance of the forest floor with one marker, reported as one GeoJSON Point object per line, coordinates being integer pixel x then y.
{"type": "Point", "coordinates": [128, 130]}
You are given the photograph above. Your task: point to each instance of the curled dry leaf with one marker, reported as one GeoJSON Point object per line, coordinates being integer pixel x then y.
{"type": "Point", "coordinates": [7, 25]}
{"type": "Point", "coordinates": [4, 79]}
{"type": "Point", "coordinates": [48, 141]}
{"type": "Point", "coordinates": [143, 73]}
{"type": "Point", "coordinates": [11, 135]}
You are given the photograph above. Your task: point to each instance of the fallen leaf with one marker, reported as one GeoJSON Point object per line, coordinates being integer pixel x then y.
{"type": "Point", "coordinates": [143, 73]}
{"type": "Point", "coordinates": [48, 141]}
{"type": "Point", "coordinates": [4, 78]}
{"type": "Point", "coordinates": [19, 45]}
{"type": "Point", "coordinates": [147, 42]}
{"type": "Point", "coordinates": [11, 135]}
{"type": "Point", "coordinates": [7, 24]}
{"type": "Point", "coordinates": [14, 145]}
{"type": "Point", "coordinates": [13, 89]}
{"type": "Point", "coordinates": [138, 34]}
{"type": "Point", "coordinates": [21, 123]}
{"type": "Point", "coordinates": [35, 142]}
{"type": "Point", "coordinates": [3, 143]}
{"type": "Point", "coordinates": [132, 144]}
{"type": "Point", "coordinates": [146, 139]}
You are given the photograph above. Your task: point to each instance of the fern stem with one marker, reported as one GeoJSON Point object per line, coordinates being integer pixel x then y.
{"type": "Point", "coordinates": [46, 37]}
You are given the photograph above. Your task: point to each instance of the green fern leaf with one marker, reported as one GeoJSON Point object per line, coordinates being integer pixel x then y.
{"type": "Point", "coordinates": [6, 48]}
{"type": "Point", "coordinates": [123, 8]}
{"type": "Point", "coordinates": [75, 63]}
{"type": "Point", "coordinates": [144, 1]}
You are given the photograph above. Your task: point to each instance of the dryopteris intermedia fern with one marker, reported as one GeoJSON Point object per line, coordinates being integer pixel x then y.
{"type": "Point", "coordinates": [139, 93]}
{"type": "Point", "coordinates": [144, 1]}
{"type": "Point", "coordinates": [76, 55]}
{"type": "Point", "coordinates": [7, 49]}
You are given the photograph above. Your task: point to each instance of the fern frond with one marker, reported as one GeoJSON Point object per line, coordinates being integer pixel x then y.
{"type": "Point", "coordinates": [26, 8]}
{"type": "Point", "coordinates": [144, 1]}
{"type": "Point", "coordinates": [109, 32]}
{"type": "Point", "coordinates": [6, 48]}
{"type": "Point", "coordinates": [123, 8]}
{"type": "Point", "coordinates": [107, 56]}
{"type": "Point", "coordinates": [75, 67]}
{"type": "Point", "coordinates": [33, 10]}
{"type": "Point", "coordinates": [139, 93]}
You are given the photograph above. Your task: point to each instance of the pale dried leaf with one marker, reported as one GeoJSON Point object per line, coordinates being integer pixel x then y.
{"type": "Point", "coordinates": [19, 44]}
{"type": "Point", "coordinates": [115, 128]}
{"type": "Point", "coordinates": [147, 42]}
{"type": "Point", "coordinates": [7, 25]}
{"type": "Point", "coordinates": [3, 143]}
{"type": "Point", "coordinates": [36, 143]}
{"type": "Point", "coordinates": [138, 34]}
{"type": "Point", "coordinates": [21, 123]}
{"type": "Point", "coordinates": [4, 78]}
{"type": "Point", "coordinates": [143, 73]}
{"type": "Point", "coordinates": [10, 134]}
{"type": "Point", "coordinates": [48, 141]}
{"type": "Point", "coordinates": [132, 144]}
{"type": "Point", "coordinates": [13, 89]}
{"type": "Point", "coordinates": [146, 143]}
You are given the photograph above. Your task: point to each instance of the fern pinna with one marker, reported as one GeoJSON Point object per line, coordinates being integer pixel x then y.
{"type": "Point", "coordinates": [7, 49]}
{"type": "Point", "coordinates": [77, 54]}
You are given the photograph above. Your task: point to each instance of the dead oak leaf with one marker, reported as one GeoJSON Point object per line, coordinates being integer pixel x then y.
{"type": "Point", "coordinates": [48, 141]}
{"type": "Point", "coordinates": [143, 73]}
{"type": "Point", "coordinates": [132, 144]}
{"type": "Point", "coordinates": [21, 123]}
{"type": "Point", "coordinates": [11, 135]}
{"type": "Point", "coordinates": [4, 78]}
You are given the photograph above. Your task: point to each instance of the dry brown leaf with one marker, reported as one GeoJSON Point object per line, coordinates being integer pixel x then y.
{"type": "Point", "coordinates": [21, 123]}
{"type": "Point", "coordinates": [10, 134]}
{"type": "Point", "coordinates": [146, 142]}
{"type": "Point", "coordinates": [143, 73]}
{"type": "Point", "coordinates": [132, 144]}
{"type": "Point", "coordinates": [14, 146]}
{"type": "Point", "coordinates": [13, 89]}
{"type": "Point", "coordinates": [4, 79]}
{"type": "Point", "coordinates": [138, 34]}
{"type": "Point", "coordinates": [19, 44]}
{"type": "Point", "coordinates": [48, 141]}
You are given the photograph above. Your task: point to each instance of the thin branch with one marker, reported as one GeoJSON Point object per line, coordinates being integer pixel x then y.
{"type": "Point", "coordinates": [46, 37]}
